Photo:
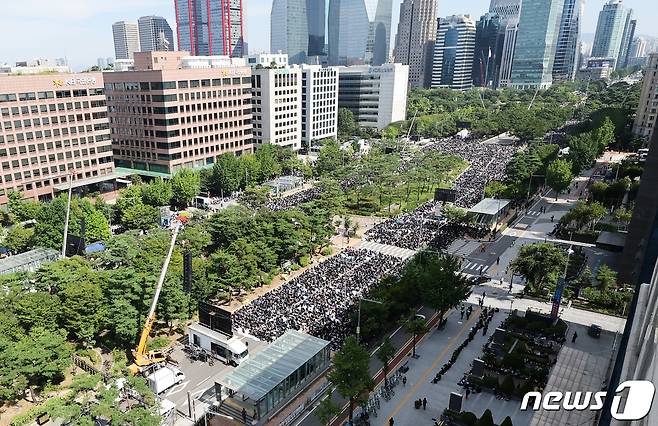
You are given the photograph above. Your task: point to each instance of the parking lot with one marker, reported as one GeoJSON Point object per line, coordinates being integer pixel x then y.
{"type": "Point", "coordinates": [200, 378]}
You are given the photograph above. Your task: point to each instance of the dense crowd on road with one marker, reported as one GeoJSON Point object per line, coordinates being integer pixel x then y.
{"type": "Point", "coordinates": [319, 300]}
{"type": "Point", "coordinates": [293, 200]}
{"type": "Point", "coordinates": [411, 230]}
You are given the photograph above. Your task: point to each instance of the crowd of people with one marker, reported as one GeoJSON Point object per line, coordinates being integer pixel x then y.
{"type": "Point", "coordinates": [487, 162]}
{"type": "Point", "coordinates": [293, 200]}
{"type": "Point", "coordinates": [319, 300]}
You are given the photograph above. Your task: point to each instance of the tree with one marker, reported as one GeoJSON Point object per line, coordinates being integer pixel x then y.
{"type": "Point", "coordinates": [267, 161]}
{"type": "Point", "coordinates": [486, 419]}
{"type": "Point", "coordinates": [584, 280]}
{"type": "Point", "coordinates": [346, 124]}
{"type": "Point", "coordinates": [21, 210]}
{"type": "Point", "coordinates": [226, 174]}
{"type": "Point", "coordinates": [385, 353]}
{"type": "Point", "coordinates": [559, 176]}
{"type": "Point", "coordinates": [19, 239]}
{"type": "Point", "coordinates": [441, 285]}
{"type": "Point", "coordinates": [330, 157]}
{"type": "Point", "coordinates": [507, 422]}
{"type": "Point", "coordinates": [249, 170]}
{"type": "Point", "coordinates": [254, 198]}
{"type": "Point", "coordinates": [606, 277]}
{"type": "Point", "coordinates": [327, 409]}
{"type": "Point", "coordinates": [140, 216]}
{"type": "Point", "coordinates": [604, 135]}
{"type": "Point", "coordinates": [37, 309]}
{"type": "Point", "coordinates": [185, 185]}
{"type": "Point", "coordinates": [97, 227]}
{"type": "Point", "coordinates": [350, 373]}
{"type": "Point", "coordinates": [416, 326]}
{"type": "Point", "coordinates": [539, 263]}
{"type": "Point", "coordinates": [157, 193]}
{"type": "Point", "coordinates": [83, 310]}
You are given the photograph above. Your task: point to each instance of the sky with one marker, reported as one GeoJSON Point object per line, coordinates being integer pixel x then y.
{"type": "Point", "coordinates": [81, 30]}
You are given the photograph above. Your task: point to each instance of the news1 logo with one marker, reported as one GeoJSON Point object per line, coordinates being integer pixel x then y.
{"type": "Point", "coordinates": [638, 401]}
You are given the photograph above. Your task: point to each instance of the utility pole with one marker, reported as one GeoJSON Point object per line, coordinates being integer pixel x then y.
{"type": "Point", "coordinates": [68, 213]}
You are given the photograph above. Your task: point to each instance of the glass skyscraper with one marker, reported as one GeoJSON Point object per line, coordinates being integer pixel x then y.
{"type": "Point", "coordinates": [453, 53]}
{"type": "Point", "coordinates": [489, 38]}
{"type": "Point", "coordinates": [316, 16]}
{"type": "Point", "coordinates": [566, 52]}
{"type": "Point", "coordinates": [155, 34]}
{"type": "Point", "coordinates": [536, 42]}
{"type": "Point", "coordinates": [210, 27]}
{"type": "Point", "coordinates": [289, 29]}
{"type": "Point", "coordinates": [612, 32]}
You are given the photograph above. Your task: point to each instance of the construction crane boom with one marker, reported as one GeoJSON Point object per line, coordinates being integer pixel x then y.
{"type": "Point", "coordinates": [142, 358]}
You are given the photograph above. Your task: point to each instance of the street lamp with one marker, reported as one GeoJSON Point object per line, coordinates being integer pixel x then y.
{"type": "Point", "coordinates": [358, 318]}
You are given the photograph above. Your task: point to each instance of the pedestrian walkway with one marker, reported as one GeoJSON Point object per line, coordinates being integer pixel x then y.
{"type": "Point", "coordinates": [398, 252]}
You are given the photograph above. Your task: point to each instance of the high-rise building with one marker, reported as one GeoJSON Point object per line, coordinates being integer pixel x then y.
{"type": "Point", "coordinates": [359, 31]}
{"type": "Point", "coordinates": [507, 10]}
{"type": "Point", "coordinates": [177, 111]}
{"type": "Point", "coordinates": [126, 39]}
{"type": "Point", "coordinates": [536, 42]}
{"type": "Point", "coordinates": [316, 16]}
{"type": "Point", "coordinates": [155, 34]}
{"type": "Point", "coordinates": [414, 42]}
{"type": "Point", "coordinates": [377, 96]}
{"type": "Point", "coordinates": [259, 60]}
{"type": "Point", "coordinates": [647, 109]}
{"type": "Point", "coordinates": [612, 31]}
{"type": "Point", "coordinates": [379, 30]}
{"type": "Point", "coordinates": [489, 40]}
{"type": "Point", "coordinates": [54, 126]}
{"type": "Point", "coordinates": [289, 29]}
{"type": "Point", "coordinates": [453, 53]}
{"type": "Point", "coordinates": [319, 103]}
{"type": "Point", "coordinates": [277, 106]}
{"type": "Point", "coordinates": [638, 48]}
{"type": "Point", "coordinates": [566, 51]}
{"type": "Point", "coordinates": [626, 43]}
{"type": "Point", "coordinates": [211, 27]}
{"type": "Point", "coordinates": [348, 32]}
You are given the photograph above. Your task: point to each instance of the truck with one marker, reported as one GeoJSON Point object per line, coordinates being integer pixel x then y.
{"type": "Point", "coordinates": [164, 378]}
{"type": "Point", "coordinates": [231, 350]}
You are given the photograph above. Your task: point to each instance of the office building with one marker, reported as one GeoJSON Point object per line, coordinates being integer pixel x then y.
{"type": "Point", "coordinates": [277, 106]}
{"type": "Point", "coordinates": [289, 29]}
{"type": "Point", "coordinates": [379, 31]}
{"type": "Point", "coordinates": [359, 31]}
{"type": "Point", "coordinates": [453, 53]}
{"type": "Point", "coordinates": [566, 51]}
{"type": "Point", "coordinates": [36, 66]}
{"type": "Point", "coordinates": [414, 42]}
{"type": "Point", "coordinates": [211, 27]}
{"type": "Point", "coordinates": [177, 111]}
{"type": "Point", "coordinates": [126, 39]}
{"type": "Point", "coordinates": [597, 69]}
{"type": "Point", "coordinates": [271, 60]}
{"type": "Point", "coordinates": [647, 109]}
{"type": "Point", "coordinates": [155, 34]}
{"type": "Point", "coordinates": [638, 48]}
{"type": "Point", "coordinates": [348, 32]}
{"type": "Point", "coordinates": [377, 96]}
{"type": "Point", "coordinates": [612, 32]}
{"type": "Point", "coordinates": [489, 40]}
{"type": "Point", "coordinates": [507, 10]}
{"type": "Point", "coordinates": [626, 43]}
{"type": "Point", "coordinates": [316, 17]}
{"type": "Point", "coordinates": [319, 103]}
{"type": "Point", "coordinates": [536, 42]}
{"type": "Point", "coordinates": [52, 126]}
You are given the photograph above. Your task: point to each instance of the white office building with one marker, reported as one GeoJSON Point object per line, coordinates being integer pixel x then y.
{"type": "Point", "coordinates": [126, 39]}
{"type": "Point", "coordinates": [376, 95]}
{"type": "Point", "coordinates": [319, 103]}
{"type": "Point", "coordinates": [267, 60]}
{"type": "Point", "coordinates": [277, 106]}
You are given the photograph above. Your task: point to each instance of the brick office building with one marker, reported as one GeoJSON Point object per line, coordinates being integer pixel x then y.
{"type": "Point", "coordinates": [52, 127]}
{"type": "Point", "coordinates": [177, 111]}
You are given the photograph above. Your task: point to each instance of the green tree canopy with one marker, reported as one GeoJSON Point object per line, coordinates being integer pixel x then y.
{"type": "Point", "coordinates": [539, 263]}
{"type": "Point", "coordinates": [185, 185]}
{"type": "Point", "coordinates": [559, 176]}
{"type": "Point", "coordinates": [350, 373]}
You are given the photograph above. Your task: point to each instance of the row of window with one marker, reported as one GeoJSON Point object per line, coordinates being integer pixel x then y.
{"type": "Point", "coordinates": [36, 109]}
{"type": "Point", "coordinates": [182, 84]}
{"type": "Point", "coordinates": [46, 121]}
{"type": "Point", "coordinates": [185, 154]}
{"type": "Point", "coordinates": [38, 134]}
{"type": "Point", "coordinates": [59, 94]}
{"type": "Point", "coordinates": [46, 171]}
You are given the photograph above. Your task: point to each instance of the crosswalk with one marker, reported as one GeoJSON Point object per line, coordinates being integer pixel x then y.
{"type": "Point", "coordinates": [398, 252]}
{"type": "Point", "coordinates": [474, 267]}
{"type": "Point", "coordinates": [534, 213]}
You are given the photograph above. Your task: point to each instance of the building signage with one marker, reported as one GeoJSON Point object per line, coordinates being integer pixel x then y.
{"type": "Point", "coordinates": [75, 81]}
